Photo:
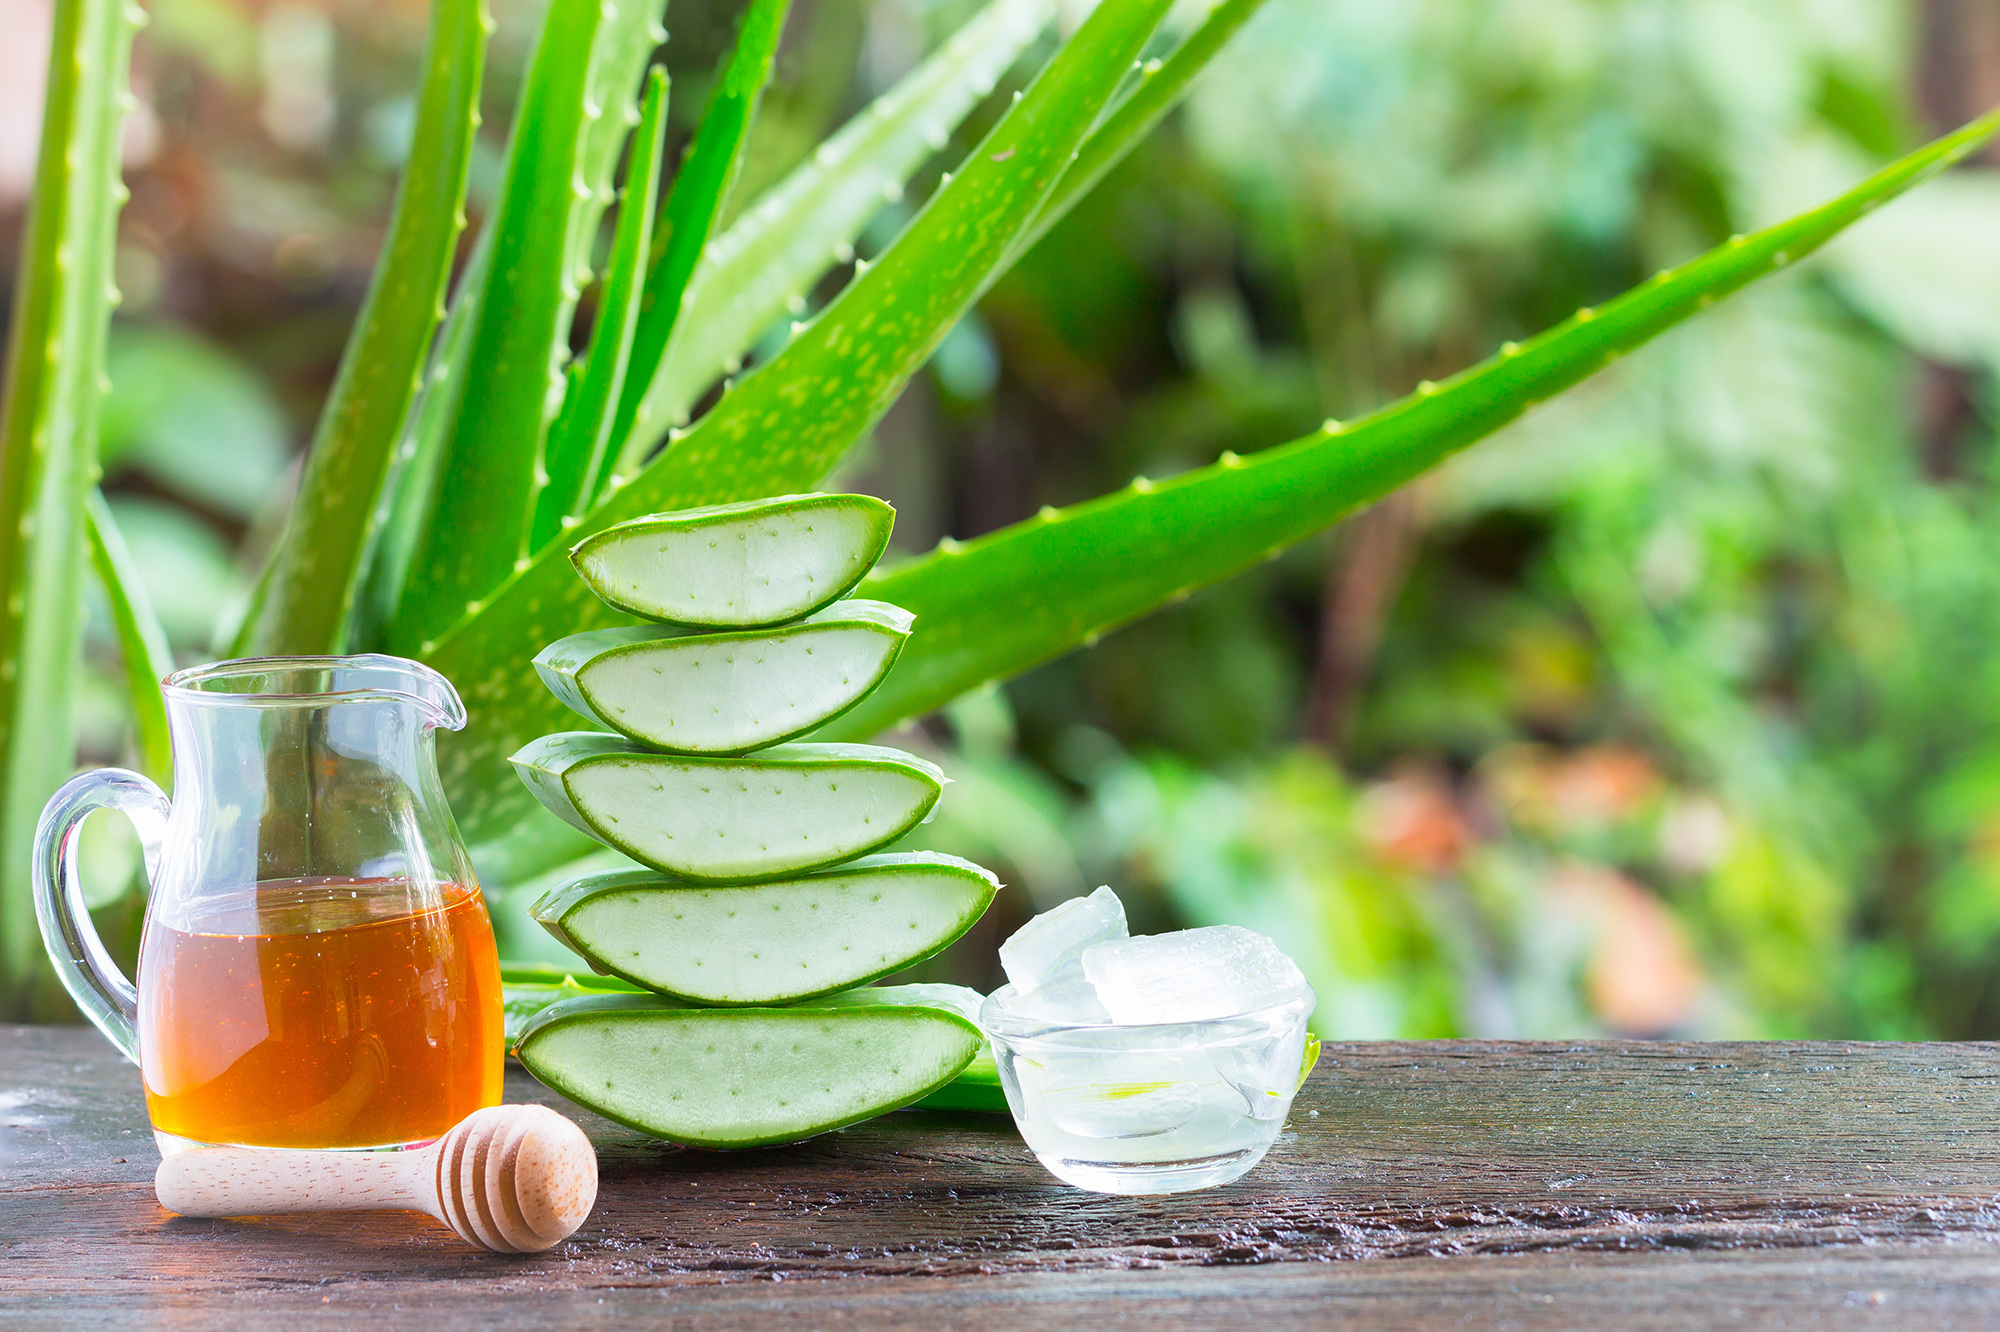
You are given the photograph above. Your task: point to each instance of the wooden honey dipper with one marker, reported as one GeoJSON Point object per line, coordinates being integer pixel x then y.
{"type": "Point", "coordinates": [511, 1178]}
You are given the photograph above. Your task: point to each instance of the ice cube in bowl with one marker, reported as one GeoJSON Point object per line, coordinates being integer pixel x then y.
{"type": "Point", "coordinates": [1052, 942]}
{"type": "Point", "coordinates": [1151, 1107]}
{"type": "Point", "coordinates": [1190, 975]}
{"type": "Point", "coordinates": [1066, 997]}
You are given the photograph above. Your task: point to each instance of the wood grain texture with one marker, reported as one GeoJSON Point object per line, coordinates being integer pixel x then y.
{"type": "Point", "coordinates": [1580, 1185]}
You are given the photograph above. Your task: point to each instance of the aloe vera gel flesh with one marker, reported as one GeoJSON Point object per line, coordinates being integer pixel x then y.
{"type": "Point", "coordinates": [772, 942]}
{"type": "Point", "coordinates": [746, 1077]}
{"type": "Point", "coordinates": [737, 565]}
{"type": "Point", "coordinates": [781, 811]}
{"type": "Point", "coordinates": [726, 693]}
{"type": "Point", "coordinates": [762, 913]}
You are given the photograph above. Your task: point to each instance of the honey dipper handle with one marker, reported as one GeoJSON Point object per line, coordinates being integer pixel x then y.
{"type": "Point", "coordinates": [239, 1181]}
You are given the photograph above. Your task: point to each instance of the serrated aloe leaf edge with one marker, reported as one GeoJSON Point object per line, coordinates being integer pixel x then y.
{"type": "Point", "coordinates": [577, 458]}
{"type": "Point", "coordinates": [772, 254]}
{"type": "Point", "coordinates": [700, 187]}
{"type": "Point", "coordinates": [996, 606]}
{"type": "Point", "coordinates": [576, 107]}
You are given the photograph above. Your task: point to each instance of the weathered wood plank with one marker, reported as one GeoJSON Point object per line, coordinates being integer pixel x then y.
{"type": "Point", "coordinates": [1896, 1287]}
{"type": "Point", "coordinates": [1498, 1172]}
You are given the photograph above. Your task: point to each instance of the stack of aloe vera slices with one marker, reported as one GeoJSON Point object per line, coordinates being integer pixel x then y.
{"type": "Point", "coordinates": [762, 908]}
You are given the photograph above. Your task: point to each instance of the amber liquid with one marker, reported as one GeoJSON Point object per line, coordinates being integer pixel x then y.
{"type": "Point", "coordinates": [321, 1013]}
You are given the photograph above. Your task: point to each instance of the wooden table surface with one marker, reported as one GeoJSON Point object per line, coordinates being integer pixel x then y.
{"type": "Point", "coordinates": [1418, 1184]}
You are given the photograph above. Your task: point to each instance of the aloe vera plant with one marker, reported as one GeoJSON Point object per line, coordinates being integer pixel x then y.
{"type": "Point", "coordinates": [764, 264]}
{"type": "Point", "coordinates": [1052, 583]}
{"type": "Point", "coordinates": [436, 540]}
{"type": "Point", "coordinates": [577, 458]}
{"type": "Point", "coordinates": [576, 106]}
{"type": "Point", "coordinates": [700, 188]}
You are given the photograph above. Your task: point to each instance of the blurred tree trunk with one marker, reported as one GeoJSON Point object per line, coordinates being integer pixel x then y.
{"type": "Point", "coordinates": [1957, 79]}
{"type": "Point", "coordinates": [1370, 552]}
{"type": "Point", "coordinates": [1373, 551]}
{"type": "Point", "coordinates": [1958, 71]}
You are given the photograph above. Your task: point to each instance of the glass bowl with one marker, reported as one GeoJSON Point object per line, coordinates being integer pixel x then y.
{"type": "Point", "coordinates": [1154, 1108]}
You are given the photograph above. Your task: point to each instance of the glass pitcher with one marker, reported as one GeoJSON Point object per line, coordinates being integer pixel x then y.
{"type": "Point", "coordinates": [317, 968]}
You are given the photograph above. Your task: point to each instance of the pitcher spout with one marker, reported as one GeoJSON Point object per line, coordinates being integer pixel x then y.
{"type": "Point", "coordinates": [277, 682]}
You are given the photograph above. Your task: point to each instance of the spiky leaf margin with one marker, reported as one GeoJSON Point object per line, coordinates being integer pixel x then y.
{"type": "Point", "coordinates": [580, 443]}
{"type": "Point", "coordinates": [806, 224]}
{"type": "Point", "coordinates": [576, 109]}
{"type": "Point", "coordinates": [991, 608]}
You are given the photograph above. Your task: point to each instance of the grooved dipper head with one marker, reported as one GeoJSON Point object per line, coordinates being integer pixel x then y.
{"type": "Point", "coordinates": [516, 1178]}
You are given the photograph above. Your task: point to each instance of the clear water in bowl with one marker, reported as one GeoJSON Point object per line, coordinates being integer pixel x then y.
{"type": "Point", "coordinates": [1149, 1108]}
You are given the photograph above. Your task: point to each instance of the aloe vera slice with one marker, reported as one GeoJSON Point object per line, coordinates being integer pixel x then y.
{"type": "Point", "coordinates": [737, 566]}
{"type": "Point", "coordinates": [769, 943]}
{"type": "Point", "coordinates": [726, 693]}
{"type": "Point", "coordinates": [779, 812]}
{"type": "Point", "coordinates": [749, 1077]}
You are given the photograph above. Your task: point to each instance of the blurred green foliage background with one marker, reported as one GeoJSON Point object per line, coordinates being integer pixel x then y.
{"type": "Point", "coordinates": [1675, 709]}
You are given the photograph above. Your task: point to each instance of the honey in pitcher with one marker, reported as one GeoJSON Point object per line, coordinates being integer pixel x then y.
{"type": "Point", "coordinates": [321, 1013]}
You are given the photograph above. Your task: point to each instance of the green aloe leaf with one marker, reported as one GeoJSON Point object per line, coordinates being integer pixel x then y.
{"type": "Point", "coordinates": [991, 608]}
{"type": "Point", "coordinates": [528, 988]}
{"type": "Point", "coordinates": [700, 186]}
{"type": "Point", "coordinates": [53, 388]}
{"type": "Point", "coordinates": [404, 508]}
{"type": "Point", "coordinates": [148, 659]}
{"type": "Point", "coordinates": [976, 1088]}
{"type": "Point", "coordinates": [1160, 87]}
{"type": "Point", "coordinates": [307, 593]}
{"type": "Point", "coordinates": [799, 413]}
{"type": "Point", "coordinates": [779, 247]}
{"type": "Point", "coordinates": [575, 109]}
{"type": "Point", "coordinates": [578, 460]}
{"type": "Point", "coordinates": [403, 519]}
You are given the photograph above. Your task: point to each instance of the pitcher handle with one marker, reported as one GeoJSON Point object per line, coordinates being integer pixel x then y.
{"type": "Point", "coordinates": [100, 989]}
